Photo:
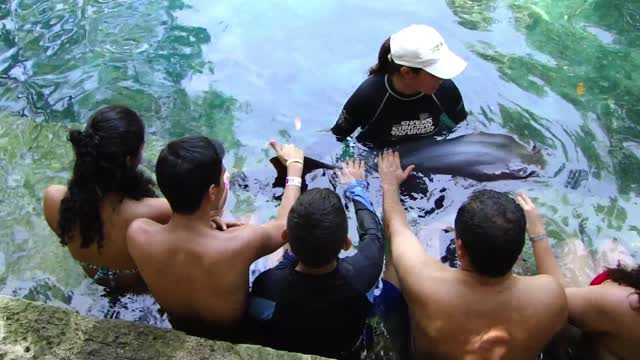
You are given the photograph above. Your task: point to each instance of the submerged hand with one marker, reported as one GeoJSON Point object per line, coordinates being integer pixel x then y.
{"type": "Point", "coordinates": [535, 224]}
{"type": "Point", "coordinates": [351, 170]}
{"type": "Point", "coordinates": [390, 170]}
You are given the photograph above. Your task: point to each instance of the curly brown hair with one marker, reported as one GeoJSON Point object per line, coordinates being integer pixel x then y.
{"type": "Point", "coordinates": [625, 277]}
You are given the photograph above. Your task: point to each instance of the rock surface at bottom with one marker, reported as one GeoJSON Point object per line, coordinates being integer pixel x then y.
{"type": "Point", "coordinates": [30, 330]}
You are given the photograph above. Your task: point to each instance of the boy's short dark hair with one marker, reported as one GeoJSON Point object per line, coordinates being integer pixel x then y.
{"type": "Point", "coordinates": [491, 227]}
{"type": "Point", "coordinates": [185, 170]}
{"type": "Point", "coordinates": [317, 227]}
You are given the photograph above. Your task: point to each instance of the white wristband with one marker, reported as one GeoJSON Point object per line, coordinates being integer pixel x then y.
{"type": "Point", "coordinates": [295, 181]}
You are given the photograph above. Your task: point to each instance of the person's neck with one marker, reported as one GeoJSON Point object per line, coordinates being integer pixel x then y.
{"type": "Point", "coordinates": [401, 86]}
{"type": "Point", "coordinates": [201, 218]}
{"type": "Point", "coordinates": [483, 279]}
{"type": "Point", "coordinates": [316, 271]}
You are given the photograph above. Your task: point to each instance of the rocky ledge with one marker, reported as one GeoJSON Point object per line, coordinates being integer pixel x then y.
{"type": "Point", "coordinates": [30, 330]}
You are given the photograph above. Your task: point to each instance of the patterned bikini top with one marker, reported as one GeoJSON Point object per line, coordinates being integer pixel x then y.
{"type": "Point", "coordinates": [105, 275]}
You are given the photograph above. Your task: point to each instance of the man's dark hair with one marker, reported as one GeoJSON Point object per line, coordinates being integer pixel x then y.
{"type": "Point", "coordinates": [491, 226]}
{"type": "Point", "coordinates": [185, 170]}
{"type": "Point", "coordinates": [317, 227]}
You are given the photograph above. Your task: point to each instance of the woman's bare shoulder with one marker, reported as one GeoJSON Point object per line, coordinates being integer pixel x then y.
{"type": "Point", "coordinates": [51, 199]}
{"type": "Point", "coordinates": [55, 192]}
{"type": "Point", "coordinates": [156, 209]}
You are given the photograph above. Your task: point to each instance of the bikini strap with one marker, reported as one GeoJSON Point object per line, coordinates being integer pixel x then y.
{"type": "Point", "coordinates": [102, 269]}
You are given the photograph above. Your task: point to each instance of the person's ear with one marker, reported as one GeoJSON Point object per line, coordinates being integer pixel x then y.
{"type": "Point", "coordinates": [134, 161]}
{"type": "Point", "coordinates": [634, 301]}
{"type": "Point", "coordinates": [283, 236]}
{"type": "Point", "coordinates": [213, 190]}
{"type": "Point", "coordinates": [460, 251]}
{"type": "Point", "coordinates": [407, 72]}
{"type": "Point", "coordinates": [347, 244]}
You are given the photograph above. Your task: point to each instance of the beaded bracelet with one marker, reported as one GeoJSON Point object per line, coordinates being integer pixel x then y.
{"type": "Point", "coordinates": [289, 162]}
{"type": "Point", "coordinates": [538, 237]}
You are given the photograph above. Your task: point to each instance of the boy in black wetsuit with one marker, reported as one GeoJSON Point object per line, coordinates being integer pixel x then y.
{"type": "Point", "coordinates": [313, 301]}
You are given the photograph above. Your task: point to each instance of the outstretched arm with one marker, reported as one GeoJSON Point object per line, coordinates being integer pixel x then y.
{"type": "Point", "coordinates": [408, 256]}
{"type": "Point", "coordinates": [545, 262]}
{"type": "Point", "coordinates": [367, 263]}
{"type": "Point", "coordinates": [292, 157]}
{"type": "Point", "coordinates": [267, 238]}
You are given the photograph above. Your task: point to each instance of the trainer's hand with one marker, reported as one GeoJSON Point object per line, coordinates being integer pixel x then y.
{"type": "Point", "coordinates": [287, 152]}
{"type": "Point", "coordinates": [351, 170]}
{"type": "Point", "coordinates": [390, 170]}
{"type": "Point", "coordinates": [535, 224]}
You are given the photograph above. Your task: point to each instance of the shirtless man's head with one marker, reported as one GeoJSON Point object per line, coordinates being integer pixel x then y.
{"type": "Point", "coordinates": [483, 311]}
{"type": "Point", "coordinates": [490, 229]}
{"type": "Point", "coordinates": [317, 228]}
{"type": "Point", "coordinates": [195, 266]}
{"type": "Point", "coordinates": [187, 170]}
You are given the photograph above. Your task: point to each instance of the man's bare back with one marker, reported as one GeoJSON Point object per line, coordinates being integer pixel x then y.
{"type": "Point", "coordinates": [197, 273]}
{"type": "Point", "coordinates": [480, 311]}
{"type": "Point", "coordinates": [461, 315]}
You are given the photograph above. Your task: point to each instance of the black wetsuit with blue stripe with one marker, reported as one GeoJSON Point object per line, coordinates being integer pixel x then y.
{"type": "Point", "coordinates": [386, 117]}
{"type": "Point", "coordinates": [321, 314]}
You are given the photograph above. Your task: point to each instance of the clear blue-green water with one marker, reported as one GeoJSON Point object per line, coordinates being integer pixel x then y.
{"type": "Point", "coordinates": [242, 71]}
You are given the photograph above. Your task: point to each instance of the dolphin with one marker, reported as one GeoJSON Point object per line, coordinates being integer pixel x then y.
{"type": "Point", "coordinates": [479, 156]}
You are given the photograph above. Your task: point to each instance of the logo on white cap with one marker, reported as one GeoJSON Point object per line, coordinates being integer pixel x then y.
{"type": "Point", "coordinates": [421, 46]}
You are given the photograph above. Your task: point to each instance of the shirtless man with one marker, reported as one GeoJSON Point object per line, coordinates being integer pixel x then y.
{"type": "Point", "coordinates": [607, 312]}
{"type": "Point", "coordinates": [482, 310]}
{"type": "Point", "coordinates": [197, 273]}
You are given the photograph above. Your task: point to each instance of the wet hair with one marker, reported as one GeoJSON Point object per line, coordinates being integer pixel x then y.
{"type": "Point", "coordinates": [186, 169]}
{"type": "Point", "coordinates": [112, 138]}
{"type": "Point", "coordinates": [491, 227]}
{"type": "Point", "coordinates": [385, 65]}
{"type": "Point", "coordinates": [625, 277]}
{"type": "Point", "coordinates": [317, 227]}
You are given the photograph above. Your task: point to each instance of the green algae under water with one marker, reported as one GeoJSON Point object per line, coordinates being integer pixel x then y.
{"type": "Point", "coordinates": [561, 74]}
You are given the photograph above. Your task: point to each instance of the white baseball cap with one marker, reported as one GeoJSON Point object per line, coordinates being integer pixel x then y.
{"type": "Point", "coordinates": [421, 46]}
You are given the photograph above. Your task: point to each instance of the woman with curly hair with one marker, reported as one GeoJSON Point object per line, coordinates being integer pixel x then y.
{"type": "Point", "coordinates": [105, 194]}
{"type": "Point", "coordinates": [607, 312]}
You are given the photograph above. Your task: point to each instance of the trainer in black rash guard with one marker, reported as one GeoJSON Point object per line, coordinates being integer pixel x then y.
{"type": "Point", "coordinates": [322, 314]}
{"type": "Point", "coordinates": [387, 117]}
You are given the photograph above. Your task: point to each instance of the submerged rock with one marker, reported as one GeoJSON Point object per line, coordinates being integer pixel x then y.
{"type": "Point", "coordinates": [30, 330]}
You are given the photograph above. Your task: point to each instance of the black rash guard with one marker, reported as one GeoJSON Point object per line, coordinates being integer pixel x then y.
{"type": "Point", "coordinates": [320, 314]}
{"type": "Point", "coordinates": [387, 117]}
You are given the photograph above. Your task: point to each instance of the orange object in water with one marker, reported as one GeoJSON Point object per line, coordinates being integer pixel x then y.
{"type": "Point", "coordinates": [580, 89]}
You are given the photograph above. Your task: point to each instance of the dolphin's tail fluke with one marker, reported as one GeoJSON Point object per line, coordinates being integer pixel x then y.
{"type": "Point", "coordinates": [310, 164]}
